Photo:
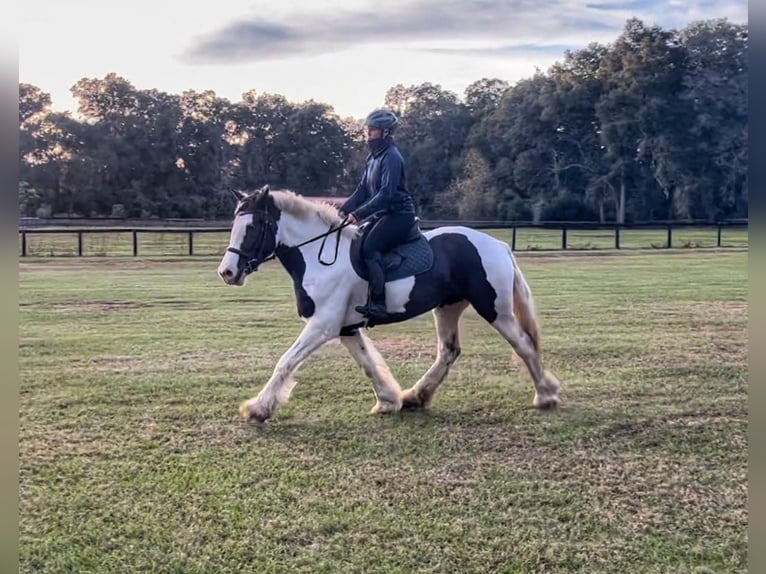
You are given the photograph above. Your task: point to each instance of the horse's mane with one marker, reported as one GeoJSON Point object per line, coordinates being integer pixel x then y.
{"type": "Point", "coordinates": [302, 208]}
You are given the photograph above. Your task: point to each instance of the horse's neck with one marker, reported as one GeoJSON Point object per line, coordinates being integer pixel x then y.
{"type": "Point", "coordinates": [294, 231]}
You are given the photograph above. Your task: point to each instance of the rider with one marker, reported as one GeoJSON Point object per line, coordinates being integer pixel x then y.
{"type": "Point", "coordinates": [382, 197]}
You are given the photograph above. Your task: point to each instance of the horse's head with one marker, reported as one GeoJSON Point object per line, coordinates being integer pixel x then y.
{"type": "Point", "coordinates": [253, 236]}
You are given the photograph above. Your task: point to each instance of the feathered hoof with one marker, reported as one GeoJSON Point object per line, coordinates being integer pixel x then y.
{"type": "Point", "coordinates": [546, 403]}
{"type": "Point", "coordinates": [411, 401]}
{"type": "Point", "coordinates": [548, 398]}
{"type": "Point", "coordinates": [385, 408]}
{"type": "Point", "coordinates": [252, 415]}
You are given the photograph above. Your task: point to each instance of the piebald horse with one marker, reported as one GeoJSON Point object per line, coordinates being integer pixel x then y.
{"type": "Point", "coordinates": [309, 239]}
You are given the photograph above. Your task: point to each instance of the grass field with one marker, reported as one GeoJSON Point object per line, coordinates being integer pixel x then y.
{"type": "Point", "coordinates": [158, 243]}
{"type": "Point", "coordinates": [133, 458]}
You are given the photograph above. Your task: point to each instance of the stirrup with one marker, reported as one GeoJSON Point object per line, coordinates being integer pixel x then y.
{"type": "Point", "coordinates": [371, 310]}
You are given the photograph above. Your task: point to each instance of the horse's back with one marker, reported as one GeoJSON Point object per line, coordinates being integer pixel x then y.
{"type": "Point", "coordinates": [483, 243]}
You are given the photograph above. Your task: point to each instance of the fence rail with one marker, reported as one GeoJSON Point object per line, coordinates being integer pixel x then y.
{"type": "Point", "coordinates": [544, 236]}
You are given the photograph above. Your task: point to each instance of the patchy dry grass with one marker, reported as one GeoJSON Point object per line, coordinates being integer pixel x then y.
{"type": "Point", "coordinates": [132, 456]}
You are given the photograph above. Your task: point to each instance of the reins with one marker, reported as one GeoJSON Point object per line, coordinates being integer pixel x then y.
{"type": "Point", "coordinates": [252, 264]}
{"type": "Point", "coordinates": [344, 223]}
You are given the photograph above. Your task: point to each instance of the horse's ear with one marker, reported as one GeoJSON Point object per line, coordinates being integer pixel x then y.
{"type": "Point", "coordinates": [238, 194]}
{"type": "Point", "coordinates": [265, 190]}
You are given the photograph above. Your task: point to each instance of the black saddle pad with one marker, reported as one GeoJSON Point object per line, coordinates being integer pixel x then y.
{"type": "Point", "coordinates": [413, 257]}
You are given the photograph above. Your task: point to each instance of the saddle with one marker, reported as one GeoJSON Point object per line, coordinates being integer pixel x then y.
{"type": "Point", "coordinates": [411, 257]}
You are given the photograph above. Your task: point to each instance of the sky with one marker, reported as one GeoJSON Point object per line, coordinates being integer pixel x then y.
{"type": "Point", "coordinates": [345, 53]}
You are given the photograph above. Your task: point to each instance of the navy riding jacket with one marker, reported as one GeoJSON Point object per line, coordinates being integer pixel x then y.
{"type": "Point", "coordinates": [383, 188]}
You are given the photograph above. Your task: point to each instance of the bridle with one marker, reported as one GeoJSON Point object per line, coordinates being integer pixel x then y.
{"type": "Point", "coordinates": [269, 224]}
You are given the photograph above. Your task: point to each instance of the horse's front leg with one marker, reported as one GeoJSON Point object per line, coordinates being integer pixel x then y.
{"type": "Point", "coordinates": [387, 391]}
{"type": "Point", "coordinates": [281, 383]}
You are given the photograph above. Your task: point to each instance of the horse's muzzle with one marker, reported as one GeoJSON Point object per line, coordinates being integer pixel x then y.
{"type": "Point", "coordinates": [231, 278]}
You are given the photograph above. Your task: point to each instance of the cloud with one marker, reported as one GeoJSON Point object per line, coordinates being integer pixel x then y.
{"type": "Point", "coordinates": [630, 5]}
{"type": "Point", "coordinates": [673, 13]}
{"type": "Point", "coordinates": [495, 25]}
{"type": "Point", "coordinates": [512, 50]}
{"type": "Point", "coordinates": [251, 40]}
{"type": "Point", "coordinates": [416, 23]}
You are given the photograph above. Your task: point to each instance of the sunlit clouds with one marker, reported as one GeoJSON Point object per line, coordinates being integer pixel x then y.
{"type": "Point", "coordinates": [343, 53]}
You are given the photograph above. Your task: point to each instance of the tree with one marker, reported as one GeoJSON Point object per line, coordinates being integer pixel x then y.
{"type": "Point", "coordinates": [642, 72]}
{"type": "Point", "coordinates": [714, 177]}
{"type": "Point", "coordinates": [204, 152]}
{"type": "Point", "coordinates": [262, 121]}
{"type": "Point", "coordinates": [470, 196]}
{"type": "Point", "coordinates": [29, 199]}
{"type": "Point", "coordinates": [432, 133]}
{"type": "Point", "coordinates": [523, 134]}
{"type": "Point", "coordinates": [318, 148]}
{"type": "Point", "coordinates": [32, 102]}
{"type": "Point", "coordinates": [482, 96]}
{"type": "Point", "coordinates": [579, 165]}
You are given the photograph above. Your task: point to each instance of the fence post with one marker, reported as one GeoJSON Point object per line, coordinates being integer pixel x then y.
{"type": "Point", "coordinates": [135, 243]}
{"type": "Point", "coordinates": [563, 238]}
{"type": "Point", "coordinates": [617, 237]}
{"type": "Point", "coordinates": [23, 243]}
{"type": "Point", "coordinates": [513, 239]}
{"type": "Point", "coordinates": [191, 243]}
{"type": "Point", "coordinates": [670, 236]}
{"type": "Point", "coordinates": [79, 243]}
{"type": "Point", "coordinates": [718, 243]}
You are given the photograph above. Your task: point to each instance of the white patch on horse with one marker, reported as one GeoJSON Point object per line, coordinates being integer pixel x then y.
{"type": "Point", "coordinates": [397, 294]}
{"type": "Point", "coordinates": [500, 269]}
{"type": "Point", "coordinates": [237, 236]}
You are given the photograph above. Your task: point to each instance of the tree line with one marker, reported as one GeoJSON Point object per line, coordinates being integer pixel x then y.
{"type": "Point", "coordinates": [650, 127]}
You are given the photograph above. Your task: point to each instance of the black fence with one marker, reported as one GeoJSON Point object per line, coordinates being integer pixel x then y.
{"type": "Point", "coordinates": [551, 236]}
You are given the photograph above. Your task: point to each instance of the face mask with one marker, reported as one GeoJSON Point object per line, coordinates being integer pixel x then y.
{"type": "Point", "coordinates": [377, 145]}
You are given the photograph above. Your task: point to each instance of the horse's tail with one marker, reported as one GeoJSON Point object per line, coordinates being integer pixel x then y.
{"type": "Point", "coordinates": [524, 306]}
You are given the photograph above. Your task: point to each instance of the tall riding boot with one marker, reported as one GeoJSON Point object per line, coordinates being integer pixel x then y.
{"type": "Point", "coordinates": [376, 306]}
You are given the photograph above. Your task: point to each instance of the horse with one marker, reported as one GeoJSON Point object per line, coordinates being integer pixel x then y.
{"type": "Point", "coordinates": [449, 269]}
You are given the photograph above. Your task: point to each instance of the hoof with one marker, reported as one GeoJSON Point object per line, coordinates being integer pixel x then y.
{"type": "Point", "coordinates": [546, 403]}
{"type": "Point", "coordinates": [550, 388]}
{"type": "Point", "coordinates": [252, 415]}
{"type": "Point", "coordinates": [385, 407]}
{"type": "Point", "coordinates": [412, 402]}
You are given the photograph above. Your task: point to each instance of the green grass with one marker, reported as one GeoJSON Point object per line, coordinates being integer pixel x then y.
{"type": "Point", "coordinates": [158, 243]}
{"type": "Point", "coordinates": [133, 457]}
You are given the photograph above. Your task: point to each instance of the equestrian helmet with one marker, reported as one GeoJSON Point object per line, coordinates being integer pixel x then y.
{"type": "Point", "coordinates": [382, 119]}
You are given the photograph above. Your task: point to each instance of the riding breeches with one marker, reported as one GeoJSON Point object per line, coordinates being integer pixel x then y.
{"type": "Point", "coordinates": [386, 233]}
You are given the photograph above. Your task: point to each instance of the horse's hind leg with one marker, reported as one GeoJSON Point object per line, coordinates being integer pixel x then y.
{"type": "Point", "coordinates": [387, 391]}
{"type": "Point", "coordinates": [447, 320]}
{"type": "Point", "coordinates": [546, 385]}
{"type": "Point", "coordinates": [513, 314]}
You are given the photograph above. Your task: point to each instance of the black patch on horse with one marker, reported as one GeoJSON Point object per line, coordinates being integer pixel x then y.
{"type": "Point", "coordinates": [473, 277]}
{"type": "Point", "coordinates": [259, 202]}
{"type": "Point", "coordinates": [292, 260]}
{"type": "Point", "coordinates": [457, 274]}
{"type": "Point", "coordinates": [260, 236]}
{"type": "Point", "coordinates": [350, 330]}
